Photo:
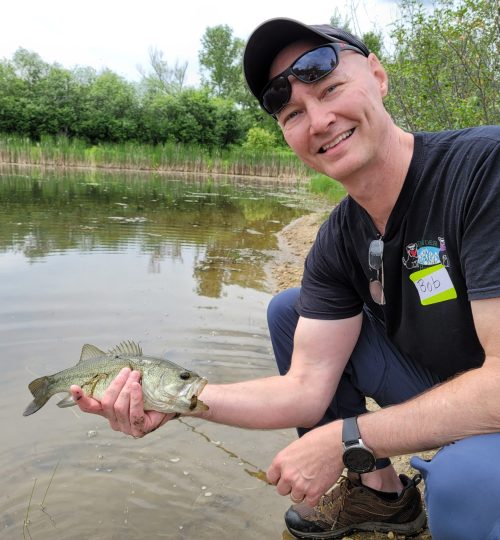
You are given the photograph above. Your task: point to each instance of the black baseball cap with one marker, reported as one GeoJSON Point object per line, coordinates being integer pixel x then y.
{"type": "Point", "coordinates": [268, 39]}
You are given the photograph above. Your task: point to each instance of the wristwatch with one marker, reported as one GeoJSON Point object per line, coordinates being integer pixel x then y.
{"type": "Point", "coordinates": [357, 457]}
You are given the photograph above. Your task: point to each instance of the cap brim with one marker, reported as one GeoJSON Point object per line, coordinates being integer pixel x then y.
{"type": "Point", "coordinates": [266, 41]}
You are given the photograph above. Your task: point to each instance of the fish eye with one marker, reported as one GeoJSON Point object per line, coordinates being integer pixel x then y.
{"type": "Point", "coordinates": [185, 375]}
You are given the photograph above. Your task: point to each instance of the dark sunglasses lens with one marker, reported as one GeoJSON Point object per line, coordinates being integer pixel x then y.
{"type": "Point", "coordinates": [315, 64]}
{"type": "Point", "coordinates": [308, 68]}
{"type": "Point", "coordinates": [375, 254]}
{"type": "Point", "coordinates": [277, 95]}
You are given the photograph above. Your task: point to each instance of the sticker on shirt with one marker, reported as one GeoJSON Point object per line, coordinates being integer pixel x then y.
{"type": "Point", "coordinates": [433, 285]}
{"type": "Point", "coordinates": [426, 253]}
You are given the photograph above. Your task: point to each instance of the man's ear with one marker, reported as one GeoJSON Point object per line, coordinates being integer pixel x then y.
{"type": "Point", "coordinates": [379, 73]}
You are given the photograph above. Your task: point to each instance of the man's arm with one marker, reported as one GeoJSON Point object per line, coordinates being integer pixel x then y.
{"type": "Point", "coordinates": [322, 349]}
{"type": "Point", "coordinates": [467, 405]}
{"type": "Point", "coordinates": [299, 398]}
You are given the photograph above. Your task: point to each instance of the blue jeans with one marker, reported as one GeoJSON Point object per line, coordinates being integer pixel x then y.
{"type": "Point", "coordinates": [462, 481]}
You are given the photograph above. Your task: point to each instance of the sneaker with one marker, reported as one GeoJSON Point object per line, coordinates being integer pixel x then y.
{"type": "Point", "coordinates": [351, 506]}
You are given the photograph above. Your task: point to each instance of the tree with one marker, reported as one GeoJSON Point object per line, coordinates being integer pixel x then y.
{"type": "Point", "coordinates": [191, 117]}
{"type": "Point", "coordinates": [337, 20]}
{"type": "Point", "coordinates": [111, 110]}
{"type": "Point", "coordinates": [163, 78]}
{"type": "Point", "coordinates": [444, 72]}
{"type": "Point", "coordinates": [374, 41]}
{"type": "Point", "coordinates": [221, 61]}
{"type": "Point", "coordinates": [29, 66]}
{"type": "Point", "coordinates": [13, 92]}
{"type": "Point", "coordinates": [37, 98]}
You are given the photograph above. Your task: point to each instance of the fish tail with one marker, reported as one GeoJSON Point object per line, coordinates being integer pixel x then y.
{"type": "Point", "coordinates": [40, 390]}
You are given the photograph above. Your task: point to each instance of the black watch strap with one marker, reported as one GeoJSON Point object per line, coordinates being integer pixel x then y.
{"type": "Point", "coordinates": [350, 430]}
{"type": "Point", "coordinates": [351, 434]}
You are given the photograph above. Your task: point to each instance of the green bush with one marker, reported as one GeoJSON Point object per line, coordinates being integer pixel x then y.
{"type": "Point", "coordinates": [259, 139]}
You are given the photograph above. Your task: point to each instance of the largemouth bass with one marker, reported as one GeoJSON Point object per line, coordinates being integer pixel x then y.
{"type": "Point", "coordinates": [166, 387]}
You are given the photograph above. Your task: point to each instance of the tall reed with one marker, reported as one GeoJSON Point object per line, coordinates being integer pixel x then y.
{"type": "Point", "coordinates": [65, 152]}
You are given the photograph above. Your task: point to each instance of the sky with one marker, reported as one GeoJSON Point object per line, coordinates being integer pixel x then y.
{"type": "Point", "coordinates": [117, 34]}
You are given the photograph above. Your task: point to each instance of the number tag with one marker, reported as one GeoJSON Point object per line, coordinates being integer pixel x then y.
{"type": "Point", "coordinates": [433, 285]}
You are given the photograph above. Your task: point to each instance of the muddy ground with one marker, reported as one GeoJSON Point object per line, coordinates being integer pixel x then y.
{"type": "Point", "coordinates": [286, 271]}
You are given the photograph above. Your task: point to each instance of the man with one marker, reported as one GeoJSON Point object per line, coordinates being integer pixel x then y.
{"type": "Point", "coordinates": [399, 301]}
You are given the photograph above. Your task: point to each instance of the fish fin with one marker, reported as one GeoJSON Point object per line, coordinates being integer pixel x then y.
{"type": "Point", "coordinates": [68, 401]}
{"type": "Point", "coordinates": [126, 347]}
{"type": "Point", "coordinates": [89, 352]}
{"type": "Point", "coordinates": [40, 390]}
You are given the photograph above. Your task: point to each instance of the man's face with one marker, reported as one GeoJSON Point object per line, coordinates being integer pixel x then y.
{"type": "Point", "coordinates": [336, 124]}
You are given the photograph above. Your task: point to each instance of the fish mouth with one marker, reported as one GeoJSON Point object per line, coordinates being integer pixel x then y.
{"type": "Point", "coordinates": [195, 389]}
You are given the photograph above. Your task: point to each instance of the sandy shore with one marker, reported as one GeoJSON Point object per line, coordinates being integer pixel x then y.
{"type": "Point", "coordinates": [295, 241]}
{"type": "Point", "coordinates": [286, 271]}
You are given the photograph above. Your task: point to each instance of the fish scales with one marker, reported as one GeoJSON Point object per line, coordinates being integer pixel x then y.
{"type": "Point", "coordinates": [167, 387]}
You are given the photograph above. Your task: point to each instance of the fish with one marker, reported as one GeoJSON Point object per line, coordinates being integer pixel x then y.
{"type": "Point", "coordinates": [166, 387]}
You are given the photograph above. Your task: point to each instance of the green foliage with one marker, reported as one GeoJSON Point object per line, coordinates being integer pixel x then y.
{"type": "Point", "coordinates": [374, 41]}
{"type": "Point", "coordinates": [191, 117]}
{"type": "Point", "coordinates": [220, 58]}
{"type": "Point", "coordinates": [38, 99]}
{"type": "Point", "coordinates": [259, 139]}
{"type": "Point", "coordinates": [444, 73]}
{"type": "Point", "coordinates": [110, 110]}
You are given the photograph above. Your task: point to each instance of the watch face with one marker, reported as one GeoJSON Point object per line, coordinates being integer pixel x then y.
{"type": "Point", "coordinates": [359, 460]}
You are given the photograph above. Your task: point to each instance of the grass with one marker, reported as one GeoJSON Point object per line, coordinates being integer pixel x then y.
{"type": "Point", "coordinates": [327, 188]}
{"type": "Point", "coordinates": [236, 160]}
{"type": "Point", "coordinates": [27, 521]}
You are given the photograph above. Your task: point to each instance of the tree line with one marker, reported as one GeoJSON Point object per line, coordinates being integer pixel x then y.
{"type": "Point", "coordinates": [443, 66]}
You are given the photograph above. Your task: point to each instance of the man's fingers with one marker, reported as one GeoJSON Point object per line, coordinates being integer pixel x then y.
{"type": "Point", "coordinates": [273, 473]}
{"type": "Point", "coordinates": [137, 416]}
{"type": "Point", "coordinates": [85, 403]}
{"type": "Point", "coordinates": [143, 422]}
{"type": "Point", "coordinates": [122, 404]}
{"type": "Point", "coordinates": [113, 391]}
{"type": "Point", "coordinates": [312, 500]}
{"type": "Point", "coordinates": [158, 418]}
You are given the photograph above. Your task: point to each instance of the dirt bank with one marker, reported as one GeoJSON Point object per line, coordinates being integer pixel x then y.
{"type": "Point", "coordinates": [286, 271]}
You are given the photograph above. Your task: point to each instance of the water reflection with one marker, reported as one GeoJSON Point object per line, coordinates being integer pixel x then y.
{"type": "Point", "coordinates": [177, 266]}
{"type": "Point", "coordinates": [227, 226]}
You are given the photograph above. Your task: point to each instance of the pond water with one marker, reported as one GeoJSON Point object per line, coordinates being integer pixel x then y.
{"type": "Point", "coordinates": [178, 265]}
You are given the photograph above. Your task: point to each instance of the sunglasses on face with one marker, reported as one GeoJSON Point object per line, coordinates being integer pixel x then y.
{"type": "Point", "coordinates": [308, 68]}
{"type": "Point", "coordinates": [376, 262]}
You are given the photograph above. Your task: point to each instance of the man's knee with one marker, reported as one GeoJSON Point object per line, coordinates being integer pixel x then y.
{"type": "Point", "coordinates": [281, 313]}
{"type": "Point", "coordinates": [282, 320]}
{"type": "Point", "coordinates": [462, 489]}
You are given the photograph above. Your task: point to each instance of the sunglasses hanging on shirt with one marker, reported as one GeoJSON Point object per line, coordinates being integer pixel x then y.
{"type": "Point", "coordinates": [376, 263]}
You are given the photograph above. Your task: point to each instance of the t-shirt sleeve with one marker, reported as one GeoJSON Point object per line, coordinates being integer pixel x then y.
{"type": "Point", "coordinates": [327, 292]}
{"type": "Point", "coordinates": [480, 247]}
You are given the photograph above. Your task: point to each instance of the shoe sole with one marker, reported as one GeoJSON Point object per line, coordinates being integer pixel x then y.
{"type": "Point", "coordinates": [408, 529]}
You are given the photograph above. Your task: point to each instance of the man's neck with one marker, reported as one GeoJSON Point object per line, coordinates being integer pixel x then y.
{"type": "Point", "coordinates": [377, 188]}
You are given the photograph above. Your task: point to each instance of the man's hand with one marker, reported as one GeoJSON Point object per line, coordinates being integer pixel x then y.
{"type": "Point", "coordinates": [122, 405]}
{"type": "Point", "coordinates": [308, 468]}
